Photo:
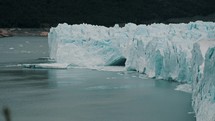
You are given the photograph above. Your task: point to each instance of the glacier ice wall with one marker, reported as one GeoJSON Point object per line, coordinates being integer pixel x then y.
{"type": "Point", "coordinates": [88, 45]}
{"type": "Point", "coordinates": [203, 76]}
{"type": "Point", "coordinates": [181, 52]}
{"type": "Point", "coordinates": [164, 51]}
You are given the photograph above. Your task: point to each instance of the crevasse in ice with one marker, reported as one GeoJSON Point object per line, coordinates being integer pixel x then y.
{"type": "Point", "coordinates": [181, 52]}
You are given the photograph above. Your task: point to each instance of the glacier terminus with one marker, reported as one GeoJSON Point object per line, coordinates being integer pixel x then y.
{"type": "Point", "coordinates": [179, 52]}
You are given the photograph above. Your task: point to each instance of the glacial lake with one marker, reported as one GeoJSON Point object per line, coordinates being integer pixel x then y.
{"type": "Point", "coordinates": [80, 94]}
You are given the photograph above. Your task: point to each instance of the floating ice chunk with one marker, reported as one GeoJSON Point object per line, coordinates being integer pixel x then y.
{"type": "Point", "coordinates": [110, 68]}
{"type": "Point", "coordinates": [21, 45]}
{"type": "Point", "coordinates": [46, 66]}
{"type": "Point", "coordinates": [11, 48]}
{"type": "Point", "coordinates": [103, 87]}
{"type": "Point", "coordinates": [25, 51]}
{"type": "Point", "coordinates": [184, 88]}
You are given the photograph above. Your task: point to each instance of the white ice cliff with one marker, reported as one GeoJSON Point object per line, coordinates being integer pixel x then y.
{"type": "Point", "coordinates": [181, 52]}
{"type": "Point", "coordinates": [203, 77]}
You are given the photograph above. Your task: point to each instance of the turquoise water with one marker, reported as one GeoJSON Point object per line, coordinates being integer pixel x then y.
{"type": "Point", "coordinates": [83, 94]}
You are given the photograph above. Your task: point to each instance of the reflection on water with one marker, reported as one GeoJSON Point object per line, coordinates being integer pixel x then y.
{"type": "Point", "coordinates": [90, 95]}
{"type": "Point", "coordinates": [23, 77]}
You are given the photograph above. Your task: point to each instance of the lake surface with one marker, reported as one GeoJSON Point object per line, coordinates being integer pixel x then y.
{"type": "Point", "coordinates": [81, 94]}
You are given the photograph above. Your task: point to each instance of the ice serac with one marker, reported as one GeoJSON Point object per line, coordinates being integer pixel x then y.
{"type": "Point", "coordinates": [164, 51]}
{"type": "Point", "coordinates": [180, 52]}
{"type": "Point", "coordinates": [203, 76]}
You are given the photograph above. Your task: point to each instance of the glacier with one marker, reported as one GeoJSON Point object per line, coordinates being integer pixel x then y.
{"type": "Point", "coordinates": [179, 52]}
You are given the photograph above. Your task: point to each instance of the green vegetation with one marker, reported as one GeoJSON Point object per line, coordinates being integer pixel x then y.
{"type": "Point", "coordinates": [46, 13]}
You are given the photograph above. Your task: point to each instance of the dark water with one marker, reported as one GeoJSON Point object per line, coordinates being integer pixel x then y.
{"type": "Point", "coordinates": [84, 94]}
{"type": "Point", "coordinates": [15, 50]}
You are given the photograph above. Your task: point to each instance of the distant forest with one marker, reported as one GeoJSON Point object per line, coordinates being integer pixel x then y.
{"type": "Point", "coordinates": [46, 13]}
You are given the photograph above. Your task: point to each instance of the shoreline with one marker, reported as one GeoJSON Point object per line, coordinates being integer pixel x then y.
{"type": "Point", "coordinates": [8, 32]}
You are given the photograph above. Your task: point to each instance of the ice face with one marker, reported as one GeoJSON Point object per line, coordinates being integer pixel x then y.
{"type": "Point", "coordinates": [180, 52]}
{"type": "Point", "coordinates": [88, 45]}
{"type": "Point", "coordinates": [158, 50]}
{"type": "Point", "coordinates": [164, 51]}
{"type": "Point", "coordinates": [203, 80]}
